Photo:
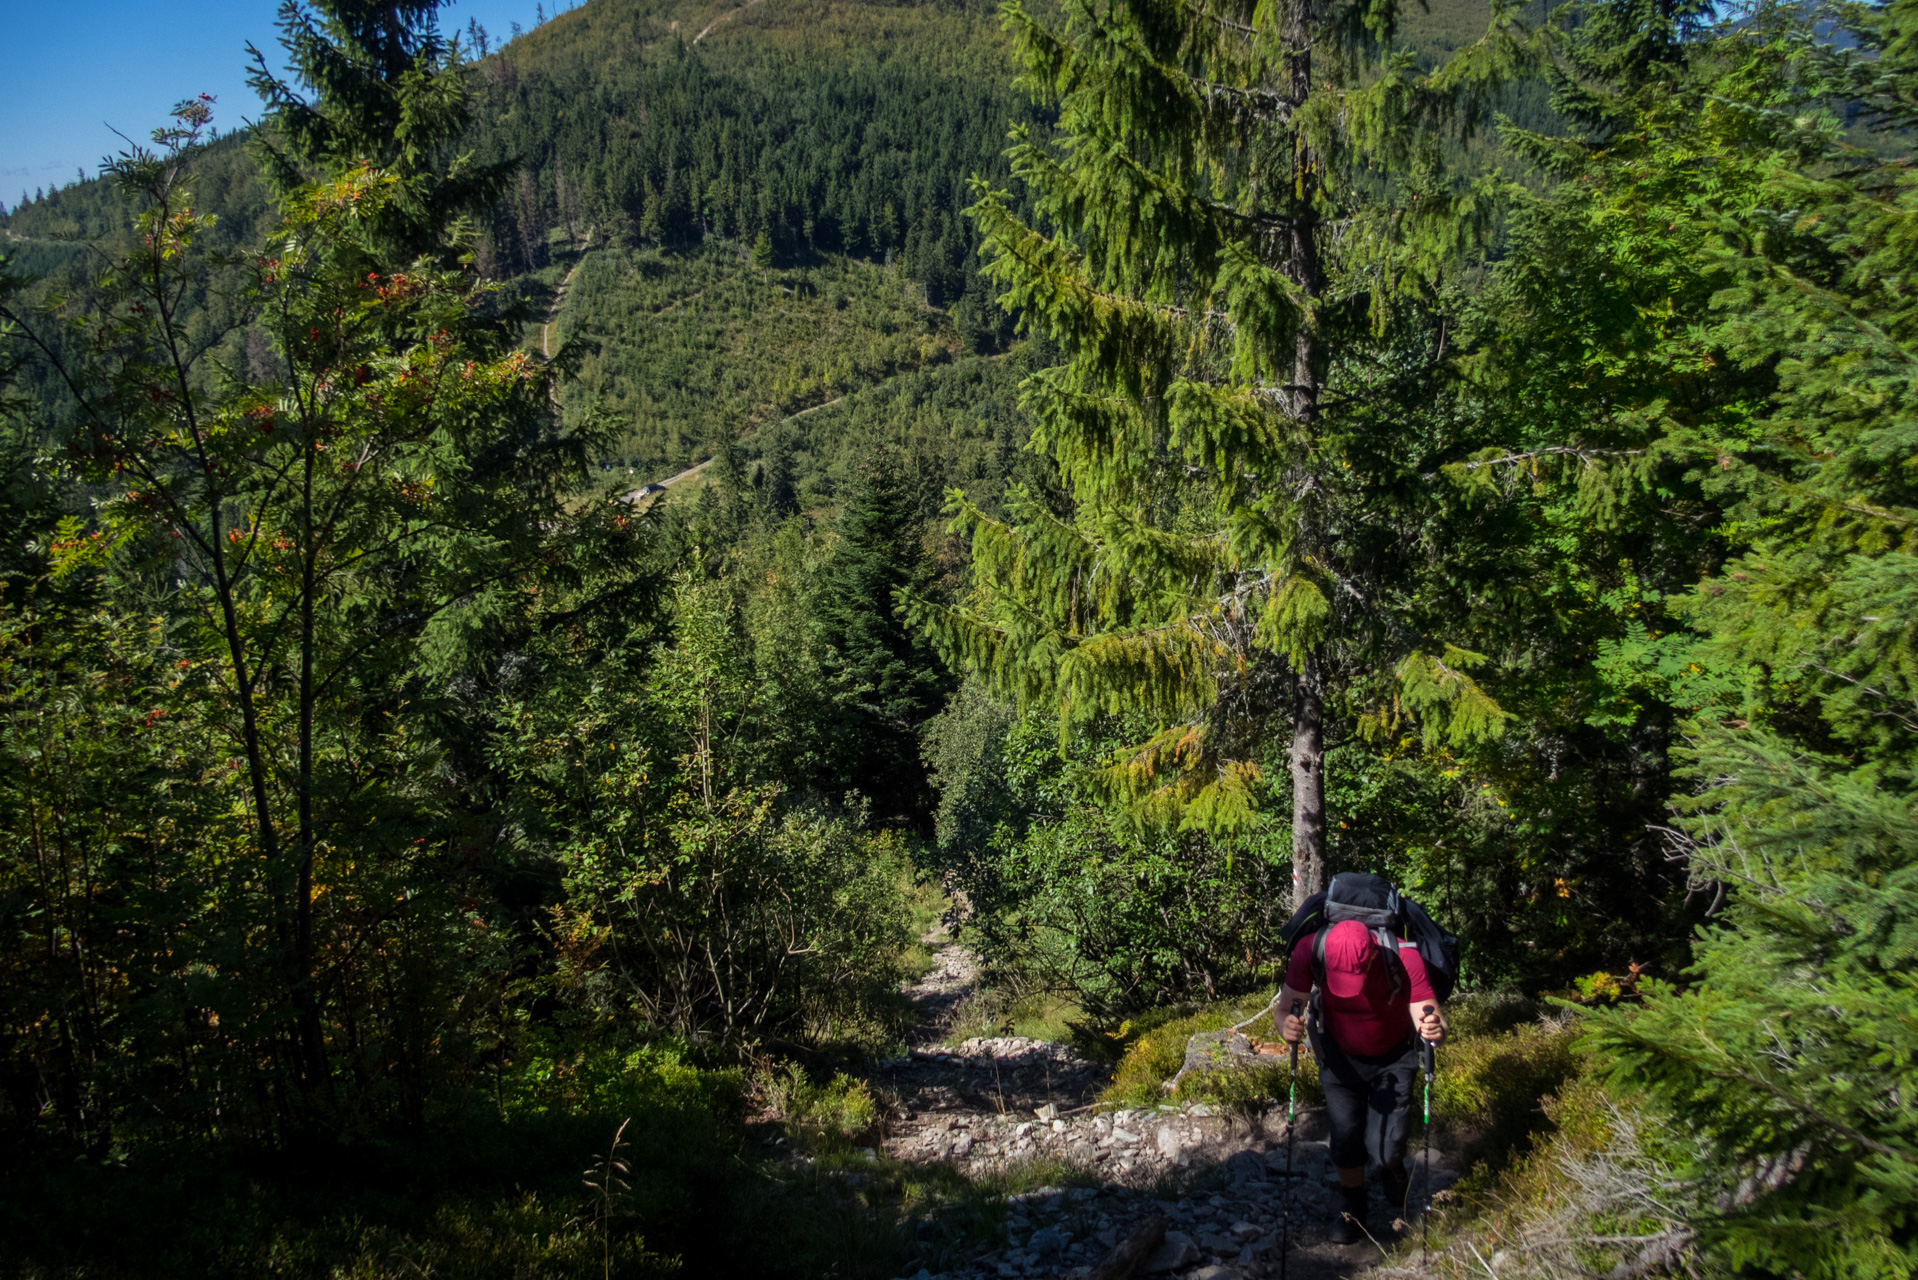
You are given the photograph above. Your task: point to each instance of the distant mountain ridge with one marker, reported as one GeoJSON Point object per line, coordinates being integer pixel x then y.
{"type": "Point", "coordinates": [825, 126]}
{"type": "Point", "coordinates": [819, 150]}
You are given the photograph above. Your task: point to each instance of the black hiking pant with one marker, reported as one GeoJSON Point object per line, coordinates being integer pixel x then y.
{"type": "Point", "coordinates": [1368, 1100]}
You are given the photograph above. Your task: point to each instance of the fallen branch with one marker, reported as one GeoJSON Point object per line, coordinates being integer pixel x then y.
{"type": "Point", "coordinates": [1124, 1257]}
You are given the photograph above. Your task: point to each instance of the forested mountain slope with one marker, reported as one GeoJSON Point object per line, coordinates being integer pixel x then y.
{"type": "Point", "coordinates": [421, 854]}
{"type": "Point", "coordinates": [763, 202]}
{"type": "Point", "coordinates": [786, 135]}
{"type": "Point", "coordinates": [824, 127]}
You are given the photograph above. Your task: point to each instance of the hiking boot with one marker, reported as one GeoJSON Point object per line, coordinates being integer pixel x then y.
{"type": "Point", "coordinates": [1348, 1225]}
{"type": "Point", "coordinates": [1396, 1184]}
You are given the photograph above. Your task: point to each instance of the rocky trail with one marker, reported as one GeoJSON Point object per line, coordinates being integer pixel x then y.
{"type": "Point", "coordinates": [1182, 1191]}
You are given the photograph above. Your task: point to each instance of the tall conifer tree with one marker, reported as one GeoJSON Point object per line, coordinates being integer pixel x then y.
{"type": "Point", "coordinates": [888, 682]}
{"type": "Point", "coordinates": [1245, 196]}
{"type": "Point", "coordinates": [1791, 1057]}
{"type": "Point", "coordinates": [388, 91]}
{"type": "Point", "coordinates": [777, 491]}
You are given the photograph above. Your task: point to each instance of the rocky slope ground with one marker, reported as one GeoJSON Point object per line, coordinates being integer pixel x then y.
{"type": "Point", "coordinates": [1180, 1191]}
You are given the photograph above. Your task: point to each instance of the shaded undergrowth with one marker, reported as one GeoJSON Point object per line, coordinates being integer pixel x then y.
{"type": "Point", "coordinates": [778, 1176]}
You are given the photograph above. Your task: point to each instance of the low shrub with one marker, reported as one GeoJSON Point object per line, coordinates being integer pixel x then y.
{"type": "Point", "coordinates": [610, 1079]}
{"type": "Point", "coordinates": [481, 1198]}
{"type": "Point", "coordinates": [830, 1117]}
{"type": "Point", "coordinates": [1089, 903]}
{"type": "Point", "coordinates": [1599, 1194]}
{"type": "Point", "coordinates": [488, 1186]}
{"type": "Point", "coordinates": [1488, 1090]}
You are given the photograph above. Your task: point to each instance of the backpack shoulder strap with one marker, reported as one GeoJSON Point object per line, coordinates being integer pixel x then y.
{"type": "Point", "coordinates": [1388, 945]}
{"type": "Point", "coordinates": [1318, 956]}
{"type": "Point", "coordinates": [1401, 980]}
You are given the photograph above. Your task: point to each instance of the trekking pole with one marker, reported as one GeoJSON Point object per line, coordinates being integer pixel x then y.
{"type": "Point", "coordinates": [1428, 1062]}
{"type": "Point", "coordinates": [1291, 1118]}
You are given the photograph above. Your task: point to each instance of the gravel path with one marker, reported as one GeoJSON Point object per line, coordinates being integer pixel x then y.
{"type": "Point", "coordinates": [1210, 1190]}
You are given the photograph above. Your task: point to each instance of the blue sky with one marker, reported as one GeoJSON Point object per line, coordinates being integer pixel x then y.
{"type": "Point", "coordinates": [69, 70]}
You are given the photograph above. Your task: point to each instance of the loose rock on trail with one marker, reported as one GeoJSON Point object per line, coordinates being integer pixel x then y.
{"type": "Point", "coordinates": [1181, 1191]}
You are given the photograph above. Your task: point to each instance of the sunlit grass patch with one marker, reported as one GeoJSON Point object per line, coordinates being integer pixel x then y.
{"type": "Point", "coordinates": [824, 1118]}
{"type": "Point", "coordinates": [1489, 1089]}
{"type": "Point", "coordinates": [1155, 1047]}
{"type": "Point", "coordinates": [1041, 1015]}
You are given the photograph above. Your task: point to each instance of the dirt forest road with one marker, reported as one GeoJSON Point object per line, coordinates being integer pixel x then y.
{"type": "Point", "coordinates": [559, 298]}
{"type": "Point", "coordinates": [1171, 1191]}
{"type": "Point", "coordinates": [724, 17]}
{"type": "Point", "coordinates": [636, 495]}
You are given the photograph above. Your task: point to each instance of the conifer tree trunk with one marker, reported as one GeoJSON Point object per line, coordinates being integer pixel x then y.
{"type": "Point", "coordinates": [1308, 786]}
{"type": "Point", "coordinates": [1303, 267]}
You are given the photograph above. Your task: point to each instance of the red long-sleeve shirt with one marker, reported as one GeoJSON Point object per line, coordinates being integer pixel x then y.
{"type": "Point", "coordinates": [1376, 1021]}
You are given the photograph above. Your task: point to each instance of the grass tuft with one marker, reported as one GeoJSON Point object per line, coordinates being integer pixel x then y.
{"type": "Point", "coordinates": [1037, 1016]}
{"type": "Point", "coordinates": [829, 1118]}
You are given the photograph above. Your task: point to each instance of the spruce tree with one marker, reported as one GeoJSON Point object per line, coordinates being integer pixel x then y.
{"type": "Point", "coordinates": [1792, 1054]}
{"type": "Point", "coordinates": [385, 90]}
{"type": "Point", "coordinates": [777, 492]}
{"type": "Point", "coordinates": [887, 682]}
{"type": "Point", "coordinates": [735, 486]}
{"type": "Point", "coordinates": [1241, 201]}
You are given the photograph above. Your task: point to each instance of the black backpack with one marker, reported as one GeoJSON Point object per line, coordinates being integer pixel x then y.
{"type": "Point", "coordinates": [1395, 921]}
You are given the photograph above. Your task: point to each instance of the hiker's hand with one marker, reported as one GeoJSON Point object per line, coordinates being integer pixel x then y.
{"type": "Point", "coordinates": [1430, 1021]}
{"type": "Point", "coordinates": [1290, 1022]}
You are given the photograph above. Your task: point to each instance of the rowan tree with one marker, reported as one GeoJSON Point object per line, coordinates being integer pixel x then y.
{"type": "Point", "coordinates": [317, 526]}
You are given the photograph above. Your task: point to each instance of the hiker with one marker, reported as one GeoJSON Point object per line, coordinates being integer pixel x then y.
{"type": "Point", "coordinates": [1365, 1024]}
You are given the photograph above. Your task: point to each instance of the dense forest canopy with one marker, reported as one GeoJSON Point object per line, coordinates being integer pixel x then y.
{"type": "Point", "coordinates": [1130, 461]}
